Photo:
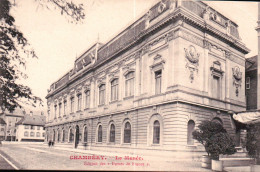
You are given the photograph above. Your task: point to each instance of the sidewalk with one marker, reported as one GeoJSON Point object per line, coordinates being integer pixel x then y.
{"type": "Point", "coordinates": [160, 162]}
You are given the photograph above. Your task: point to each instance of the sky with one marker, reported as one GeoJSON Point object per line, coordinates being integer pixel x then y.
{"type": "Point", "coordinates": [57, 42]}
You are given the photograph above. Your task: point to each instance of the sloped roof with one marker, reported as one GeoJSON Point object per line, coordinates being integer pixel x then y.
{"type": "Point", "coordinates": [251, 63]}
{"type": "Point", "coordinates": [2, 121]}
{"type": "Point", "coordinates": [18, 112]}
{"type": "Point", "coordinates": [32, 120]}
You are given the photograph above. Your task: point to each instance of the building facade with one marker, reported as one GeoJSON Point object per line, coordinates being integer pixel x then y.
{"type": "Point", "coordinates": [31, 128]}
{"type": "Point", "coordinates": [150, 86]}
{"type": "Point", "coordinates": [2, 129]}
{"type": "Point", "coordinates": [11, 119]}
{"type": "Point", "coordinates": [251, 83]}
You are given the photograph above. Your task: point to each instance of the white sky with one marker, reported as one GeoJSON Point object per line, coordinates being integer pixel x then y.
{"type": "Point", "coordinates": [57, 42]}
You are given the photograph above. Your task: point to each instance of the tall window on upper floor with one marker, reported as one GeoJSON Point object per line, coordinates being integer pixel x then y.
{"type": "Point", "coordinates": [156, 132]}
{"type": "Point", "coordinates": [191, 126]}
{"type": "Point", "coordinates": [247, 82]}
{"type": "Point", "coordinates": [127, 132]}
{"type": "Point", "coordinates": [65, 107]}
{"type": "Point", "coordinates": [55, 111]}
{"type": "Point", "coordinates": [79, 101]}
{"type": "Point", "coordinates": [216, 81]}
{"type": "Point", "coordinates": [114, 90]}
{"type": "Point", "coordinates": [59, 109]}
{"type": "Point", "coordinates": [87, 99]}
{"type": "Point", "coordinates": [102, 90]}
{"type": "Point", "coordinates": [129, 84]}
{"type": "Point", "coordinates": [72, 104]}
{"type": "Point", "coordinates": [112, 133]}
{"type": "Point", "coordinates": [216, 87]}
{"type": "Point", "coordinates": [158, 81]}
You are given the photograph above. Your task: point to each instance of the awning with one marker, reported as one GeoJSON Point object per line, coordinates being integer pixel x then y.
{"type": "Point", "coordinates": [247, 117]}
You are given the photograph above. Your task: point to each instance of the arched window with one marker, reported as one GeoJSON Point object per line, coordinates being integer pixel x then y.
{"type": "Point", "coordinates": [127, 133]}
{"type": "Point", "coordinates": [129, 84]}
{"type": "Point", "coordinates": [102, 94]}
{"type": "Point", "coordinates": [63, 135]}
{"type": "Point", "coordinates": [85, 134]}
{"type": "Point", "coordinates": [38, 134]}
{"type": "Point", "coordinates": [71, 135]}
{"type": "Point", "coordinates": [87, 99]}
{"type": "Point", "coordinates": [79, 101]}
{"type": "Point", "coordinates": [99, 133]}
{"type": "Point", "coordinates": [114, 90]}
{"type": "Point", "coordinates": [26, 133]}
{"type": "Point", "coordinates": [191, 126]}
{"type": "Point", "coordinates": [156, 132]}
{"type": "Point", "coordinates": [217, 120]}
{"type": "Point", "coordinates": [58, 136]}
{"type": "Point", "coordinates": [112, 133]}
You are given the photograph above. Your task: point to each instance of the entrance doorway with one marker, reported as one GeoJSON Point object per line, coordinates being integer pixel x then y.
{"type": "Point", "coordinates": [77, 136]}
{"type": "Point", "coordinates": [53, 135]}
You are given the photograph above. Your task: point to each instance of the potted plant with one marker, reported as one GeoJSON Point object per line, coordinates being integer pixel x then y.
{"type": "Point", "coordinates": [220, 143]}
{"type": "Point", "coordinates": [253, 144]}
{"type": "Point", "coordinates": [204, 135]}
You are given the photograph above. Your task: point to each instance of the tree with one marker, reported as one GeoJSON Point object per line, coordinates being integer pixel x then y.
{"type": "Point", "coordinates": [15, 50]}
{"type": "Point", "coordinates": [253, 141]}
{"type": "Point", "coordinates": [214, 137]}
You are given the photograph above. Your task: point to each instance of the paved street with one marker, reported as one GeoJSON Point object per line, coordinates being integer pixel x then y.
{"type": "Point", "coordinates": [28, 156]}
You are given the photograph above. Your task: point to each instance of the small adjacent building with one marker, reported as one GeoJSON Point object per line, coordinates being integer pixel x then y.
{"type": "Point", "coordinates": [31, 128]}
{"type": "Point", "coordinates": [10, 120]}
{"type": "Point", "coordinates": [251, 83]}
{"type": "Point", "coordinates": [2, 129]}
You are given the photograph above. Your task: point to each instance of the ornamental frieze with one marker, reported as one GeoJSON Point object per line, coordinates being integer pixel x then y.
{"type": "Point", "coordinates": [237, 78]}
{"type": "Point", "coordinates": [192, 60]}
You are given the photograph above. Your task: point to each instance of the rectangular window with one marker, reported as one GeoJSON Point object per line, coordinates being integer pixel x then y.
{"type": "Point", "coordinates": [247, 82]}
{"type": "Point", "coordinates": [114, 90]}
{"type": "Point", "coordinates": [59, 109]}
{"type": "Point", "coordinates": [129, 84]}
{"type": "Point", "coordinates": [65, 107]}
{"type": "Point", "coordinates": [38, 134]}
{"type": "Point", "coordinates": [26, 133]}
{"type": "Point", "coordinates": [43, 134]}
{"type": "Point", "coordinates": [87, 99]}
{"type": "Point", "coordinates": [26, 127]}
{"type": "Point", "coordinates": [102, 94]}
{"type": "Point", "coordinates": [72, 105]}
{"type": "Point", "coordinates": [32, 127]}
{"type": "Point", "coordinates": [158, 82]}
{"type": "Point", "coordinates": [216, 87]}
{"type": "Point", "coordinates": [2, 129]}
{"type": "Point", "coordinates": [79, 101]}
{"type": "Point", "coordinates": [55, 111]}
{"type": "Point", "coordinates": [38, 127]}
{"type": "Point", "coordinates": [32, 134]}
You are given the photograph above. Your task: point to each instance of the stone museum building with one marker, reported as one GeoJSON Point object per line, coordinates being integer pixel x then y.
{"type": "Point", "coordinates": [150, 86]}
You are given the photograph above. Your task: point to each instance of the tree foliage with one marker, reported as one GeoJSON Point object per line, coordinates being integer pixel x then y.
{"type": "Point", "coordinates": [15, 50]}
{"type": "Point", "coordinates": [253, 141]}
{"type": "Point", "coordinates": [214, 137]}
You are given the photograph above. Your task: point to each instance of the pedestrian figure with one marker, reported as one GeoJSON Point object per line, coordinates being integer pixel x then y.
{"type": "Point", "coordinates": [49, 143]}
{"type": "Point", "coordinates": [53, 143]}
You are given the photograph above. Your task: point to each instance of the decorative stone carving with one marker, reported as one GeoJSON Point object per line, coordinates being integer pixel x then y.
{"type": "Point", "coordinates": [216, 69]}
{"type": "Point", "coordinates": [161, 7]}
{"type": "Point", "coordinates": [192, 58]}
{"type": "Point", "coordinates": [158, 63]}
{"type": "Point", "coordinates": [147, 19]}
{"type": "Point", "coordinates": [237, 78]}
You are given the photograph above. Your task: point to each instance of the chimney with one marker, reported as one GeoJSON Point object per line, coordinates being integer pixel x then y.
{"type": "Point", "coordinates": [258, 59]}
